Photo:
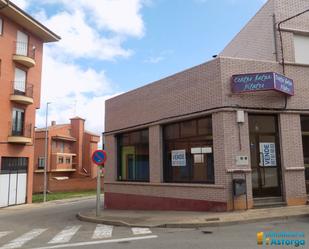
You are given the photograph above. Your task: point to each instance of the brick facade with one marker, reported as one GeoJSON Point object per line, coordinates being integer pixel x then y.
{"type": "Point", "coordinates": [69, 185]}
{"type": "Point", "coordinates": [69, 141]}
{"type": "Point", "coordinates": [206, 90]}
{"type": "Point", "coordinates": [14, 20]}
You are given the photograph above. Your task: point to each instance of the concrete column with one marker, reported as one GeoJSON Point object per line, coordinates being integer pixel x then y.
{"type": "Point", "coordinates": [111, 162]}
{"type": "Point", "coordinates": [219, 150]}
{"type": "Point", "coordinates": [155, 154]}
{"type": "Point", "coordinates": [293, 174]}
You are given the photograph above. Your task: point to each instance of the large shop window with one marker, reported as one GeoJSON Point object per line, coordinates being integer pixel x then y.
{"type": "Point", "coordinates": [188, 151]}
{"type": "Point", "coordinates": [305, 136]}
{"type": "Point", "coordinates": [133, 156]}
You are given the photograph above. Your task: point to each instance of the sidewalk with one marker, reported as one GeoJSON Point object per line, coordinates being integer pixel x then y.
{"type": "Point", "coordinates": [48, 203]}
{"type": "Point", "coordinates": [190, 219]}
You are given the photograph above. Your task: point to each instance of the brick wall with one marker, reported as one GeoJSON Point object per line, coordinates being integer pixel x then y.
{"type": "Point", "coordinates": [292, 159]}
{"type": "Point", "coordinates": [7, 77]}
{"type": "Point", "coordinates": [206, 89]}
{"type": "Point", "coordinates": [73, 184]}
{"type": "Point", "coordinates": [156, 154]}
{"type": "Point", "coordinates": [186, 92]}
{"type": "Point", "coordinates": [256, 39]}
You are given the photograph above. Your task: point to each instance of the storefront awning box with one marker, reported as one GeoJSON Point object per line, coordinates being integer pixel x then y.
{"type": "Point", "coordinates": [269, 81]}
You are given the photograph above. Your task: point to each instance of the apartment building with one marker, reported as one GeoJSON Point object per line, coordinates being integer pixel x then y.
{"type": "Point", "coordinates": [228, 134]}
{"type": "Point", "coordinates": [69, 151]}
{"type": "Point", "coordinates": [21, 49]}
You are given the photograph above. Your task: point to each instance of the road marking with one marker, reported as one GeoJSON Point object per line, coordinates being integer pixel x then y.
{"type": "Point", "coordinates": [102, 232]}
{"type": "Point", "coordinates": [19, 242]}
{"type": "Point", "coordinates": [3, 234]}
{"type": "Point", "coordinates": [65, 235]}
{"type": "Point", "coordinates": [140, 230]}
{"type": "Point", "coordinates": [98, 242]}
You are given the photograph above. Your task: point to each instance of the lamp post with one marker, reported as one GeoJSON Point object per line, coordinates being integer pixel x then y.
{"type": "Point", "coordinates": [45, 157]}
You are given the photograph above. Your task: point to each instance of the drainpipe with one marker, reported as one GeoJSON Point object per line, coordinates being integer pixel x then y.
{"type": "Point", "coordinates": [275, 37]}
{"type": "Point", "coordinates": [281, 44]}
{"type": "Point", "coordinates": [281, 39]}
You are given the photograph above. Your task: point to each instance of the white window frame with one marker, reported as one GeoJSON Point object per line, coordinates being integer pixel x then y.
{"type": "Point", "coordinates": [301, 49]}
{"type": "Point", "coordinates": [68, 159]}
{"type": "Point", "coordinates": [20, 79]}
{"type": "Point", "coordinates": [62, 147]}
{"type": "Point", "coordinates": [18, 119]}
{"type": "Point", "coordinates": [22, 43]}
{"type": "Point", "coordinates": [41, 163]}
{"type": "Point", "coordinates": [58, 160]}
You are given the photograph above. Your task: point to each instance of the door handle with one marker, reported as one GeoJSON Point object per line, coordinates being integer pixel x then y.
{"type": "Point", "coordinates": [264, 178]}
{"type": "Point", "coordinates": [261, 157]}
{"type": "Point", "coordinates": [263, 167]}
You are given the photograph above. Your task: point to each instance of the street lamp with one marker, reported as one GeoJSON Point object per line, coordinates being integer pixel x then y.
{"type": "Point", "coordinates": [45, 157]}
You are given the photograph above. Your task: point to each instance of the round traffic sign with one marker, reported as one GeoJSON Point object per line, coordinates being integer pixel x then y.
{"type": "Point", "coordinates": [99, 157]}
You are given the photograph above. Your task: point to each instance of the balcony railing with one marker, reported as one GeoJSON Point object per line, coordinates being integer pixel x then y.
{"type": "Point", "coordinates": [24, 49]}
{"type": "Point", "coordinates": [22, 88]}
{"type": "Point", "coordinates": [20, 130]}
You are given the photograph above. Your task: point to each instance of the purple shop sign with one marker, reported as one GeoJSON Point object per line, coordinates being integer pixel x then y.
{"type": "Point", "coordinates": [262, 82]}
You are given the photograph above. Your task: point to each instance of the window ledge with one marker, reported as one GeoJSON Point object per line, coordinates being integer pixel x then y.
{"type": "Point", "coordinates": [296, 31]}
{"type": "Point", "coordinates": [243, 170]}
{"type": "Point", "coordinates": [39, 171]}
{"type": "Point", "coordinates": [290, 63]}
{"type": "Point", "coordinates": [190, 185]}
{"type": "Point", "coordinates": [295, 169]}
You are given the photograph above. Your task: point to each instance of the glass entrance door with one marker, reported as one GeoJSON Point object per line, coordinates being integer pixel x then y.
{"type": "Point", "coordinates": [265, 155]}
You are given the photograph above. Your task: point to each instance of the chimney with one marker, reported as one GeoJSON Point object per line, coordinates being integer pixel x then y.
{"type": "Point", "coordinates": [53, 123]}
{"type": "Point", "coordinates": [77, 131]}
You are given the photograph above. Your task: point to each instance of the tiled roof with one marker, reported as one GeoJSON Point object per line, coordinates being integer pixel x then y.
{"type": "Point", "coordinates": [52, 126]}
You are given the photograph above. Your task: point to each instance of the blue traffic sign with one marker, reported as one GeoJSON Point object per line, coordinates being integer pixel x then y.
{"type": "Point", "coordinates": [99, 157]}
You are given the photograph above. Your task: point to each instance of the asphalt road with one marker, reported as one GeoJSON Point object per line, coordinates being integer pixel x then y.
{"type": "Point", "coordinates": [55, 226]}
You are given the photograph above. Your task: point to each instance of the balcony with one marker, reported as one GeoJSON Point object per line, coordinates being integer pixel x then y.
{"type": "Point", "coordinates": [62, 162]}
{"type": "Point", "coordinates": [19, 134]}
{"type": "Point", "coordinates": [24, 54]}
{"type": "Point", "coordinates": [22, 93]}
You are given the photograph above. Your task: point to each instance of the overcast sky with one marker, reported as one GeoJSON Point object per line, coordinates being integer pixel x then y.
{"type": "Point", "coordinates": [113, 46]}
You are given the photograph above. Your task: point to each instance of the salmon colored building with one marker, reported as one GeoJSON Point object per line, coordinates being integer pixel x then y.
{"type": "Point", "coordinates": [69, 151]}
{"type": "Point", "coordinates": [231, 133]}
{"type": "Point", "coordinates": [21, 50]}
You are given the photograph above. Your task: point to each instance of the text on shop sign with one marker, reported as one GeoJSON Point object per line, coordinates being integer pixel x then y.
{"type": "Point", "coordinates": [262, 82]}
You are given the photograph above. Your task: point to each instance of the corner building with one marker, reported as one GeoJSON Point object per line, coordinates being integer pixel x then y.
{"type": "Point", "coordinates": [21, 50]}
{"type": "Point", "coordinates": [229, 134]}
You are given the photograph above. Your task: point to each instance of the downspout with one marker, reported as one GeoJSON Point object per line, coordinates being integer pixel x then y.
{"type": "Point", "coordinates": [275, 38]}
{"type": "Point", "coordinates": [281, 44]}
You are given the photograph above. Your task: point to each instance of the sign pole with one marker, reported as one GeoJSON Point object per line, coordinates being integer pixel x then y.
{"type": "Point", "coordinates": [99, 158]}
{"type": "Point", "coordinates": [98, 209]}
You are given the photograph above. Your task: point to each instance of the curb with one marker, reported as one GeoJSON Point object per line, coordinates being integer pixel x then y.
{"type": "Point", "coordinates": [69, 200]}
{"type": "Point", "coordinates": [186, 225]}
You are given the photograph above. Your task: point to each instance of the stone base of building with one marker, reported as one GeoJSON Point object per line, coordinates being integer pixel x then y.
{"type": "Point", "coordinates": [141, 202]}
{"type": "Point", "coordinates": [239, 204]}
{"type": "Point", "coordinates": [297, 201]}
